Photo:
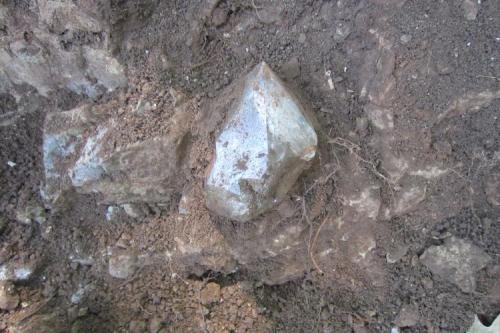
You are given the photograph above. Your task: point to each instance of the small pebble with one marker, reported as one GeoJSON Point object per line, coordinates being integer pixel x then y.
{"type": "Point", "coordinates": [405, 39]}
{"type": "Point", "coordinates": [210, 294]}
{"type": "Point", "coordinates": [9, 299]}
{"type": "Point", "coordinates": [122, 265]}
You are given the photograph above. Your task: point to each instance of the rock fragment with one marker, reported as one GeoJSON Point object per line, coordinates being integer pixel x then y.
{"type": "Point", "coordinates": [63, 138]}
{"type": "Point", "coordinates": [79, 295]}
{"type": "Point", "coordinates": [408, 198]}
{"type": "Point", "coordinates": [342, 31]}
{"type": "Point", "coordinates": [60, 16]}
{"type": "Point", "coordinates": [471, 8]}
{"type": "Point", "coordinates": [52, 55]}
{"type": "Point", "coordinates": [9, 299]}
{"type": "Point", "coordinates": [187, 202]}
{"type": "Point", "coordinates": [79, 156]}
{"type": "Point", "coordinates": [31, 213]}
{"type": "Point", "coordinates": [135, 211]}
{"type": "Point", "coordinates": [210, 294]}
{"type": "Point", "coordinates": [405, 39]}
{"type": "Point", "coordinates": [265, 145]}
{"type": "Point", "coordinates": [478, 327]}
{"type": "Point", "coordinates": [12, 271]}
{"type": "Point", "coordinates": [122, 264]}
{"type": "Point", "coordinates": [34, 62]}
{"type": "Point", "coordinates": [456, 261]}
{"type": "Point", "coordinates": [397, 254]}
{"type": "Point", "coordinates": [129, 174]}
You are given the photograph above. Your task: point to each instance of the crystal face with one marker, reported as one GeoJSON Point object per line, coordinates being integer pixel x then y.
{"type": "Point", "coordinates": [263, 148]}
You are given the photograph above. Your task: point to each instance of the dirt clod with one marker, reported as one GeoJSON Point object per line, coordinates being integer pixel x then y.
{"type": "Point", "coordinates": [210, 293]}
{"type": "Point", "coordinates": [408, 316]}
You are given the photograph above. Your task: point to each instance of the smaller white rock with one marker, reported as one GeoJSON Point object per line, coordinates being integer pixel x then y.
{"type": "Point", "coordinates": [405, 39]}
{"type": "Point", "coordinates": [186, 202]}
{"type": "Point", "coordinates": [266, 143]}
{"type": "Point", "coordinates": [31, 213]}
{"type": "Point", "coordinates": [89, 261]}
{"type": "Point", "coordinates": [478, 327]}
{"type": "Point", "coordinates": [77, 297]}
{"type": "Point", "coordinates": [12, 272]}
{"type": "Point", "coordinates": [471, 9]}
{"type": "Point", "coordinates": [133, 210]}
{"type": "Point", "coordinates": [111, 213]}
{"type": "Point", "coordinates": [22, 273]}
{"type": "Point", "coordinates": [4, 273]}
{"type": "Point", "coordinates": [11, 164]}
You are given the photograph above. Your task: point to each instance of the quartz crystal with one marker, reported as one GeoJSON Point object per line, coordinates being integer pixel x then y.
{"type": "Point", "coordinates": [265, 145]}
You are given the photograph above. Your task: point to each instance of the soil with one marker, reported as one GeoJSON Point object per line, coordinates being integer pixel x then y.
{"type": "Point", "coordinates": [434, 69]}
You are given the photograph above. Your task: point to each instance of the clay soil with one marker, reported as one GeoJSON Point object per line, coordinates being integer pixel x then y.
{"type": "Point", "coordinates": [327, 51]}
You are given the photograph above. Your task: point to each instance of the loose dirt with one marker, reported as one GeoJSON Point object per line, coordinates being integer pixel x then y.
{"type": "Point", "coordinates": [406, 91]}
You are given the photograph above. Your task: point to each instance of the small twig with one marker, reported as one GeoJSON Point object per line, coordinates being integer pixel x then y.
{"type": "Point", "coordinates": [321, 181]}
{"type": "Point", "coordinates": [257, 10]}
{"type": "Point", "coordinates": [201, 63]}
{"type": "Point", "coordinates": [336, 158]}
{"type": "Point", "coordinates": [133, 277]}
{"type": "Point", "coordinates": [313, 245]}
{"type": "Point", "coordinates": [459, 175]}
{"type": "Point", "coordinates": [353, 149]}
{"type": "Point", "coordinates": [489, 77]}
{"type": "Point", "coordinates": [428, 62]}
{"type": "Point", "coordinates": [34, 310]}
{"type": "Point", "coordinates": [306, 217]}
{"type": "Point", "coordinates": [256, 7]}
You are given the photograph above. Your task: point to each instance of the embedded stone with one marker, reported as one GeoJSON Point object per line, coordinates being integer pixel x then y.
{"type": "Point", "coordinates": [456, 261]}
{"type": "Point", "coordinates": [265, 145]}
{"type": "Point", "coordinates": [210, 294]}
{"type": "Point", "coordinates": [137, 172]}
{"type": "Point", "coordinates": [122, 264]}
{"type": "Point", "coordinates": [78, 155]}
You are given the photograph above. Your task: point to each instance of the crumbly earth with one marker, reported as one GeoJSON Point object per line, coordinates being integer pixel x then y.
{"type": "Point", "coordinates": [406, 94]}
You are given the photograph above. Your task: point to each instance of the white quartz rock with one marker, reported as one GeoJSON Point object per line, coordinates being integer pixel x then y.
{"type": "Point", "coordinates": [265, 145]}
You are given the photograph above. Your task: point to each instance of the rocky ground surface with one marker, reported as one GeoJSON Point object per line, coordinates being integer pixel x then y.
{"type": "Point", "coordinates": [109, 116]}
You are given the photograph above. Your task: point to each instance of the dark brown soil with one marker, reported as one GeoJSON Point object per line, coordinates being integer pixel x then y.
{"type": "Point", "coordinates": [188, 47]}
